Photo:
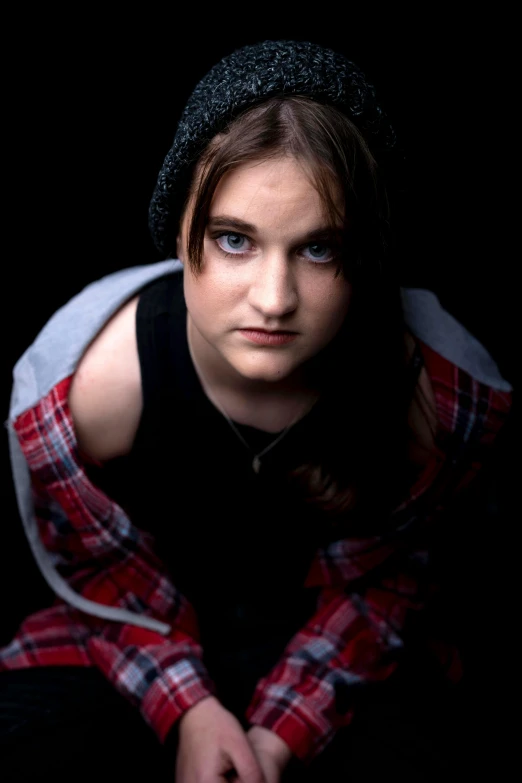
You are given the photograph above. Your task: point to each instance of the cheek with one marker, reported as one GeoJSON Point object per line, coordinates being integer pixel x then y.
{"type": "Point", "coordinates": [218, 288]}
{"type": "Point", "coordinates": [195, 297]}
{"type": "Point", "coordinates": [331, 304]}
{"type": "Point", "coordinates": [206, 298]}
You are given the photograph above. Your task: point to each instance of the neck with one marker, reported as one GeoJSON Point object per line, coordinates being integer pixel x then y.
{"type": "Point", "coordinates": [269, 406]}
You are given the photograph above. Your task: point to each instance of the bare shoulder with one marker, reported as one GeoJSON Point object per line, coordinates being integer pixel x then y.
{"type": "Point", "coordinates": [105, 397]}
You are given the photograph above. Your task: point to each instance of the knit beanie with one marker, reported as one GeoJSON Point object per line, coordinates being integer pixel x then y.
{"type": "Point", "coordinates": [243, 79]}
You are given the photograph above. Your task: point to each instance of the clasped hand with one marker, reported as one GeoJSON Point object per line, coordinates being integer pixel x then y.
{"type": "Point", "coordinates": [213, 748]}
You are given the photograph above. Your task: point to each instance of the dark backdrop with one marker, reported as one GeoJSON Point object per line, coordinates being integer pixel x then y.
{"type": "Point", "coordinates": [92, 101]}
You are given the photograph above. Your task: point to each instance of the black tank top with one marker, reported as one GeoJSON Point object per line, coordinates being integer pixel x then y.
{"type": "Point", "coordinates": [237, 544]}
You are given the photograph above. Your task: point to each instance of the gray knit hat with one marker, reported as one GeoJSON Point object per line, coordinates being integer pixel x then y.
{"type": "Point", "coordinates": [249, 76]}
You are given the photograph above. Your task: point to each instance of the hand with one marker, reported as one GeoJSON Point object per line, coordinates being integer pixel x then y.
{"type": "Point", "coordinates": [272, 753]}
{"type": "Point", "coordinates": [213, 747]}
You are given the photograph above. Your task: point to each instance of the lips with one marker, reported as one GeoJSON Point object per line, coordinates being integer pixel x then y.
{"type": "Point", "coordinates": [267, 331]}
{"type": "Point", "coordinates": [268, 337]}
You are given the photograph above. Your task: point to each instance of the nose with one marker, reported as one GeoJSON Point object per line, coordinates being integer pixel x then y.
{"type": "Point", "coordinates": [273, 291]}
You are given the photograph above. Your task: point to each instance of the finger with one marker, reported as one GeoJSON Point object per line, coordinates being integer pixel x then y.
{"type": "Point", "coordinates": [246, 765]}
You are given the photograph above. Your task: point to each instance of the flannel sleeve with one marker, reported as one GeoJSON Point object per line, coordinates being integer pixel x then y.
{"type": "Point", "coordinates": [351, 640]}
{"type": "Point", "coordinates": [356, 634]}
{"type": "Point", "coordinates": [92, 545]}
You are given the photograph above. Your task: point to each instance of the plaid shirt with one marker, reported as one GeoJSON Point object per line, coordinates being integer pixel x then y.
{"type": "Point", "coordinates": [354, 637]}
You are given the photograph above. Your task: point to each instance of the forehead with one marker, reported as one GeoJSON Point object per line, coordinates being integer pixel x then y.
{"type": "Point", "coordinates": [278, 190]}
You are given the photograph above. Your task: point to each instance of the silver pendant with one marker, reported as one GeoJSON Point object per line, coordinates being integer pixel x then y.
{"type": "Point", "coordinates": [256, 464]}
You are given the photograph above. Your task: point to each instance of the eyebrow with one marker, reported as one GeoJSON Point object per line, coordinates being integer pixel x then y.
{"type": "Point", "coordinates": [227, 221]}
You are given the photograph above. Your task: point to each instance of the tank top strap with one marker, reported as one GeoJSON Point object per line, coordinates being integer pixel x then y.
{"type": "Point", "coordinates": [168, 377]}
{"type": "Point", "coordinates": [160, 322]}
{"type": "Point", "coordinates": [154, 321]}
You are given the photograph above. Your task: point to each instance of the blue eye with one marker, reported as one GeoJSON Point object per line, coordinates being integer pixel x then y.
{"type": "Point", "coordinates": [319, 252]}
{"type": "Point", "coordinates": [232, 243]}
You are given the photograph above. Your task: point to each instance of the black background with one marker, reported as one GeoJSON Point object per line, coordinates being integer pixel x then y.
{"type": "Point", "coordinates": [92, 99]}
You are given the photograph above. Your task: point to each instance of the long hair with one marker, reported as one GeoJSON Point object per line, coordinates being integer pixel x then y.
{"type": "Point", "coordinates": [361, 459]}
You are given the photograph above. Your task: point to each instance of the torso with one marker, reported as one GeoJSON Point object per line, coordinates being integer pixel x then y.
{"type": "Point", "coordinates": [112, 422]}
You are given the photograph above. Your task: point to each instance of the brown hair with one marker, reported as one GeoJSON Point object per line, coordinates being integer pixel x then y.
{"type": "Point", "coordinates": [362, 457]}
{"type": "Point", "coordinates": [331, 149]}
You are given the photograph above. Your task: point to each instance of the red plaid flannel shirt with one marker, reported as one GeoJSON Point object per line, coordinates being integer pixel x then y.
{"type": "Point", "coordinates": [351, 639]}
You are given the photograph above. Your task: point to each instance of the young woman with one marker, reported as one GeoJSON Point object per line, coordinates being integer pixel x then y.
{"type": "Point", "coordinates": [232, 467]}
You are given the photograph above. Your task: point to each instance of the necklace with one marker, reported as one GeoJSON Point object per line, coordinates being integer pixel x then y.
{"type": "Point", "coordinates": [256, 460]}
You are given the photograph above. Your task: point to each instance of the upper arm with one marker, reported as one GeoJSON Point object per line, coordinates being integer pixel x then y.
{"type": "Point", "coordinates": [105, 397]}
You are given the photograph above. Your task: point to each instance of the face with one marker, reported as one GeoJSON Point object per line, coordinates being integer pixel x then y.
{"type": "Point", "coordinates": [267, 298]}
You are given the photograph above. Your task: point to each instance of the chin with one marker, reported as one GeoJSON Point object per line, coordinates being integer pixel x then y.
{"type": "Point", "coordinates": [268, 374]}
